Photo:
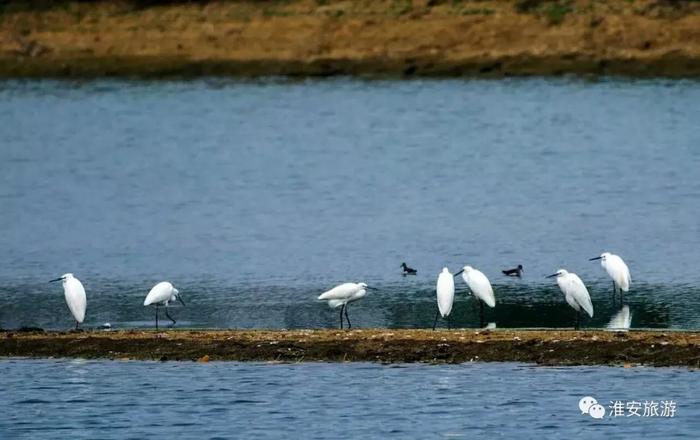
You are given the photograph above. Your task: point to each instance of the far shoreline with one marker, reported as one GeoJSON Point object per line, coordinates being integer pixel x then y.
{"type": "Point", "coordinates": [319, 39]}
{"type": "Point", "coordinates": [154, 68]}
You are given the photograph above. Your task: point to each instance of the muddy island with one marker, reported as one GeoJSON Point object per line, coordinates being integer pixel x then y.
{"type": "Point", "coordinates": [544, 347]}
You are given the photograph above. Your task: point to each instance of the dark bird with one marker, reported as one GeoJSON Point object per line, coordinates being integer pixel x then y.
{"type": "Point", "coordinates": [407, 270]}
{"type": "Point", "coordinates": [517, 272]}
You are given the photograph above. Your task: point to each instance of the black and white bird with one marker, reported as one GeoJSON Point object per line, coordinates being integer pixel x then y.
{"type": "Point", "coordinates": [517, 272]}
{"type": "Point", "coordinates": [408, 270]}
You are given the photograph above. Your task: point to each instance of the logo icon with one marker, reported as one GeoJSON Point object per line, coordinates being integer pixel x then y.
{"type": "Point", "coordinates": [585, 403]}
{"type": "Point", "coordinates": [588, 405]}
{"type": "Point", "coordinates": [597, 411]}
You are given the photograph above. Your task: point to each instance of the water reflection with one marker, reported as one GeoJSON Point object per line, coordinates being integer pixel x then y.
{"type": "Point", "coordinates": [621, 320]}
{"type": "Point", "coordinates": [394, 305]}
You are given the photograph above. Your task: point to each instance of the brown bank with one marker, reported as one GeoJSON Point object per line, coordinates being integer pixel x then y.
{"type": "Point", "coordinates": [551, 347]}
{"type": "Point", "coordinates": [492, 38]}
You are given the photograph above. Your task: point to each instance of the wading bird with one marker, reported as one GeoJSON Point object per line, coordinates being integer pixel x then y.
{"type": "Point", "coordinates": [75, 296]}
{"type": "Point", "coordinates": [575, 293]}
{"type": "Point", "coordinates": [162, 294]}
{"type": "Point", "coordinates": [408, 270]}
{"type": "Point", "coordinates": [445, 295]}
{"type": "Point", "coordinates": [480, 287]}
{"type": "Point", "coordinates": [617, 270]}
{"type": "Point", "coordinates": [342, 295]}
{"type": "Point", "coordinates": [517, 272]}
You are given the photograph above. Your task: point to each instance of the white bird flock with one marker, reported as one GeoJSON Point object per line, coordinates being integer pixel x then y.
{"type": "Point", "coordinates": [574, 290]}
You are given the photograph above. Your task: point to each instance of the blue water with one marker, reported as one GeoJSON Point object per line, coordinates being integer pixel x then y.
{"type": "Point", "coordinates": [254, 197]}
{"type": "Point", "coordinates": [135, 400]}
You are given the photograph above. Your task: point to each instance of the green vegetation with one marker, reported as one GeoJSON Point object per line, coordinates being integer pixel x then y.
{"type": "Point", "coordinates": [476, 11]}
{"type": "Point", "coordinates": [554, 11]}
{"type": "Point", "coordinates": [401, 7]}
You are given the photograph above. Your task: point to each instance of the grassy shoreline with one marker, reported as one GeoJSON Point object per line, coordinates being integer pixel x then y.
{"type": "Point", "coordinates": [469, 38]}
{"type": "Point", "coordinates": [545, 347]}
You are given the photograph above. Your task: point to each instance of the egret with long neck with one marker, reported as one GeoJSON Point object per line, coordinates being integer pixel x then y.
{"type": "Point", "coordinates": [76, 299]}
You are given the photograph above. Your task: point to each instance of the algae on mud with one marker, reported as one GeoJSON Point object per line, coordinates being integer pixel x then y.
{"type": "Point", "coordinates": [488, 38]}
{"type": "Point", "coordinates": [546, 347]}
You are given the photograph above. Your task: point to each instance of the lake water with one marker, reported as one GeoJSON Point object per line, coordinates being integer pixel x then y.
{"type": "Point", "coordinates": [134, 400]}
{"type": "Point", "coordinates": [255, 197]}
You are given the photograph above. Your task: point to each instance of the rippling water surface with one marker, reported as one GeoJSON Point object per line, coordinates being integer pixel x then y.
{"type": "Point", "coordinates": [120, 400]}
{"type": "Point", "coordinates": [254, 197]}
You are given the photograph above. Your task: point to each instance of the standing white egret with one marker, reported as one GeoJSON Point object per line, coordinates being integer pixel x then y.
{"type": "Point", "coordinates": [162, 294]}
{"type": "Point", "coordinates": [445, 295]}
{"type": "Point", "coordinates": [75, 296]}
{"type": "Point", "coordinates": [617, 270]}
{"type": "Point", "coordinates": [480, 287]}
{"type": "Point", "coordinates": [575, 293]}
{"type": "Point", "coordinates": [342, 295]}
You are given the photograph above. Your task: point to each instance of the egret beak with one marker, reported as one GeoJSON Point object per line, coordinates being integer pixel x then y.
{"type": "Point", "coordinates": [458, 273]}
{"type": "Point", "coordinates": [57, 279]}
{"type": "Point", "coordinates": [593, 259]}
{"type": "Point", "coordinates": [179, 298]}
{"type": "Point", "coordinates": [371, 288]}
{"type": "Point", "coordinates": [552, 275]}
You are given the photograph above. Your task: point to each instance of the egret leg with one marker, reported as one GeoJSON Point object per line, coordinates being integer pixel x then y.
{"type": "Point", "coordinates": [437, 313]}
{"type": "Point", "coordinates": [169, 317]}
{"type": "Point", "coordinates": [76, 325]}
{"type": "Point", "coordinates": [341, 316]}
{"type": "Point", "coordinates": [621, 298]}
{"type": "Point", "coordinates": [481, 314]}
{"type": "Point", "coordinates": [578, 320]}
{"type": "Point", "coordinates": [448, 322]}
{"type": "Point", "coordinates": [156, 317]}
{"type": "Point", "coordinates": [346, 317]}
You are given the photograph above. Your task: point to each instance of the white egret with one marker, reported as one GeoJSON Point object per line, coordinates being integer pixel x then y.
{"type": "Point", "coordinates": [622, 320]}
{"type": "Point", "coordinates": [75, 296]}
{"type": "Point", "coordinates": [342, 295]}
{"type": "Point", "coordinates": [162, 294]}
{"type": "Point", "coordinates": [480, 287]}
{"type": "Point", "coordinates": [617, 270]}
{"type": "Point", "coordinates": [445, 295]}
{"type": "Point", "coordinates": [575, 292]}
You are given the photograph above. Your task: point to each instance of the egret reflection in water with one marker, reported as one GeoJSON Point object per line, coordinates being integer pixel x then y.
{"type": "Point", "coordinates": [218, 304]}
